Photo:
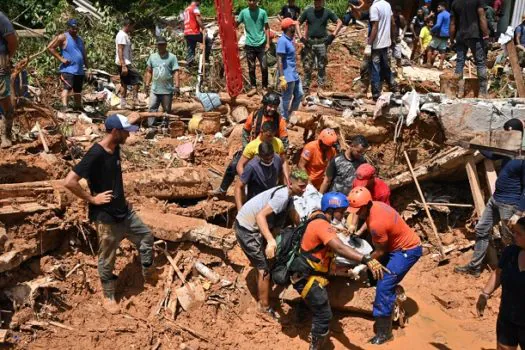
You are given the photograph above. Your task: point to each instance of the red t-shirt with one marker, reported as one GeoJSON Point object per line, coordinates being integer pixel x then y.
{"type": "Point", "coordinates": [318, 232]}
{"type": "Point", "coordinates": [191, 26]}
{"type": "Point", "coordinates": [381, 191]}
{"type": "Point", "coordinates": [387, 226]}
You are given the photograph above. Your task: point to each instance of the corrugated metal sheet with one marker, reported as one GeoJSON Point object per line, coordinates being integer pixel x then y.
{"type": "Point", "coordinates": [517, 12]}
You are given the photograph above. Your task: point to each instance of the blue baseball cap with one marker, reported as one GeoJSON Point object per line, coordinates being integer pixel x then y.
{"type": "Point", "coordinates": [428, 1]}
{"type": "Point", "coordinates": [119, 122]}
{"type": "Point", "coordinates": [72, 23]}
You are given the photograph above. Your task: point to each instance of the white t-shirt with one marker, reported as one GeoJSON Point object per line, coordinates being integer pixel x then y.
{"type": "Point", "coordinates": [381, 12]}
{"type": "Point", "coordinates": [279, 202]}
{"type": "Point", "coordinates": [123, 39]}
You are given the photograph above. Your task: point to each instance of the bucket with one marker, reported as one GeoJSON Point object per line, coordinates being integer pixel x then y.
{"type": "Point", "coordinates": [193, 125]}
{"type": "Point", "coordinates": [210, 123]}
{"type": "Point", "coordinates": [449, 85]}
{"type": "Point", "coordinates": [177, 128]}
{"type": "Point", "coordinates": [471, 87]}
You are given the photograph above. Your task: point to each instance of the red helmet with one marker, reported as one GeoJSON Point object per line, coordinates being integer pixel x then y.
{"type": "Point", "coordinates": [358, 197]}
{"type": "Point", "coordinates": [328, 137]}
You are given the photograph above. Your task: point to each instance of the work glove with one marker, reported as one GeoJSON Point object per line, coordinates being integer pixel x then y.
{"type": "Point", "coordinates": [481, 304]}
{"type": "Point", "coordinates": [271, 247]}
{"type": "Point", "coordinates": [176, 91]}
{"type": "Point", "coordinates": [329, 39]}
{"type": "Point", "coordinates": [368, 50]}
{"type": "Point", "coordinates": [283, 85]}
{"type": "Point", "coordinates": [514, 220]}
{"type": "Point", "coordinates": [375, 267]}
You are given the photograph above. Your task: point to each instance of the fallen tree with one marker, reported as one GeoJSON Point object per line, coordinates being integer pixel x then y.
{"type": "Point", "coordinates": [176, 228]}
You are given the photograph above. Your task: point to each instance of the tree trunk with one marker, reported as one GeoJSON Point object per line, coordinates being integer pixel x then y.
{"type": "Point", "coordinates": [176, 228]}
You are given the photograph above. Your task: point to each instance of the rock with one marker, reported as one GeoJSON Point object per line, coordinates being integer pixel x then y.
{"type": "Point", "coordinates": [462, 120]}
{"type": "Point", "coordinates": [448, 238]}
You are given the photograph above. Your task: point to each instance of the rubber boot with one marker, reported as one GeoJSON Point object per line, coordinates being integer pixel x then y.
{"type": "Point", "coordinates": [318, 341]}
{"type": "Point", "coordinates": [110, 303]}
{"type": "Point", "coordinates": [149, 274]}
{"type": "Point", "coordinates": [383, 330]}
{"type": "Point", "coordinates": [5, 136]}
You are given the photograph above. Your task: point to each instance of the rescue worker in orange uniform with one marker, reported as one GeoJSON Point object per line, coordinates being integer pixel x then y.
{"type": "Point", "coordinates": [316, 156]}
{"type": "Point", "coordinates": [396, 246]}
{"type": "Point", "coordinates": [312, 266]}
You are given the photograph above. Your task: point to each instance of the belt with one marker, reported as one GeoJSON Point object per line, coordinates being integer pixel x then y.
{"type": "Point", "coordinates": [321, 280]}
{"type": "Point", "coordinates": [317, 40]}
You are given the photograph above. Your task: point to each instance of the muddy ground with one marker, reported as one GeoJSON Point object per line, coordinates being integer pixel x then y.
{"type": "Point", "coordinates": [68, 313]}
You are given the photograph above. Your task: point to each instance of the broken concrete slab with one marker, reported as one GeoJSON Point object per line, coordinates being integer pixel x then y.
{"type": "Point", "coordinates": [462, 120]}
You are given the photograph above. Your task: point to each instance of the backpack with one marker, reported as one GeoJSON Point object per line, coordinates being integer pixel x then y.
{"type": "Point", "coordinates": [290, 257]}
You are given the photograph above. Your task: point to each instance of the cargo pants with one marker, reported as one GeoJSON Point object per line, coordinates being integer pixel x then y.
{"type": "Point", "coordinates": [314, 55]}
{"type": "Point", "coordinates": [110, 236]}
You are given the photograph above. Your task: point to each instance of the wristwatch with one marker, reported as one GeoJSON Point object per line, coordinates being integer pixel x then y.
{"type": "Point", "coordinates": [366, 258]}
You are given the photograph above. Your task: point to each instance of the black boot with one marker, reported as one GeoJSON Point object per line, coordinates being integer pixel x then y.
{"type": "Point", "coordinates": [317, 341]}
{"type": "Point", "coordinates": [383, 330]}
{"type": "Point", "coordinates": [468, 270]}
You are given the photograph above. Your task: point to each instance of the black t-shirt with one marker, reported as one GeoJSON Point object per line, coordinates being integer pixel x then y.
{"type": "Point", "coordinates": [290, 12]}
{"type": "Point", "coordinates": [418, 23]}
{"type": "Point", "coordinates": [342, 171]}
{"type": "Point", "coordinates": [103, 173]}
{"type": "Point", "coordinates": [512, 307]}
{"type": "Point", "coordinates": [317, 21]}
{"type": "Point", "coordinates": [466, 18]}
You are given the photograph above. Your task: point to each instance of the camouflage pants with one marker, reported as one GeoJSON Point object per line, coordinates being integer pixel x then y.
{"type": "Point", "coordinates": [314, 55]}
{"type": "Point", "coordinates": [110, 236]}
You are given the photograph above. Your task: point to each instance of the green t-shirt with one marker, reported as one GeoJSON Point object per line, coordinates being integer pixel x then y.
{"type": "Point", "coordinates": [317, 21]}
{"type": "Point", "coordinates": [254, 23]}
{"type": "Point", "coordinates": [163, 68]}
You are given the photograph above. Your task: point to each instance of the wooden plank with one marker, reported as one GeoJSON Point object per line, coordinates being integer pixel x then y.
{"type": "Point", "coordinates": [490, 174]}
{"type": "Point", "coordinates": [516, 69]}
{"type": "Point", "coordinates": [475, 187]}
{"type": "Point", "coordinates": [502, 139]}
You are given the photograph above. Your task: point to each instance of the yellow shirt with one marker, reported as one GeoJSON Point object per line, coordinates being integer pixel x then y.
{"type": "Point", "coordinates": [252, 149]}
{"type": "Point", "coordinates": [426, 36]}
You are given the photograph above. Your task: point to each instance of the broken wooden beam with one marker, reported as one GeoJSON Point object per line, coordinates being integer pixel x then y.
{"type": "Point", "coordinates": [351, 127]}
{"type": "Point", "coordinates": [175, 183]}
{"type": "Point", "coordinates": [516, 69]}
{"type": "Point", "coordinates": [475, 187]}
{"type": "Point", "coordinates": [442, 164]}
{"type": "Point", "coordinates": [176, 228]}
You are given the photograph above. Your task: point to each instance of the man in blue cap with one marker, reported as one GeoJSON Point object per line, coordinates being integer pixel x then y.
{"type": "Point", "coordinates": [72, 59]}
{"type": "Point", "coordinates": [108, 209]}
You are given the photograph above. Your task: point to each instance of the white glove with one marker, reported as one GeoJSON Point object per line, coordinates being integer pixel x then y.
{"type": "Point", "coordinates": [368, 50]}
{"type": "Point", "coordinates": [514, 219]}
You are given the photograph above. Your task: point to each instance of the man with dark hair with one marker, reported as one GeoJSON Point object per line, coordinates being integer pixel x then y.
{"type": "Point", "coordinates": [469, 28]}
{"type": "Point", "coordinates": [353, 12]}
{"type": "Point", "coordinates": [108, 209]}
{"type": "Point", "coordinates": [194, 32]}
{"type": "Point", "coordinates": [257, 31]}
{"type": "Point", "coordinates": [400, 27]}
{"type": "Point", "coordinates": [341, 170]}
{"type": "Point", "coordinates": [163, 69]}
{"type": "Point", "coordinates": [269, 112]}
{"type": "Point", "coordinates": [129, 76]}
{"type": "Point", "coordinates": [441, 34]}
{"type": "Point", "coordinates": [257, 219]}
{"type": "Point", "coordinates": [260, 174]}
{"type": "Point", "coordinates": [505, 206]}
{"type": "Point", "coordinates": [379, 40]}
{"type": "Point", "coordinates": [73, 59]}
{"type": "Point", "coordinates": [8, 46]}
{"type": "Point", "coordinates": [316, 41]}
{"type": "Point", "coordinates": [418, 22]}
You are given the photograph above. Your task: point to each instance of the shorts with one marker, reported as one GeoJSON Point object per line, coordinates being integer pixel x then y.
{"type": "Point", "coordinates": [439, 44]}
{"type": "Point", "coordinates": [509, 333]}
{"type": "Point", "coordinates": [72, 81]}
{"type": "Point", "coordinates": [132, 78]}
{"type": "Point", "coordinates": [253, 245]}
{"type": "Point", "coordinates": [5, 86]}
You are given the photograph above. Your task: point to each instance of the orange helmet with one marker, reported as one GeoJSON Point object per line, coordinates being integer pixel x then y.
{"type": "Point", "coordinates": [358, 197]}
{"type": "Point", "coordinates": [328, 137]}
